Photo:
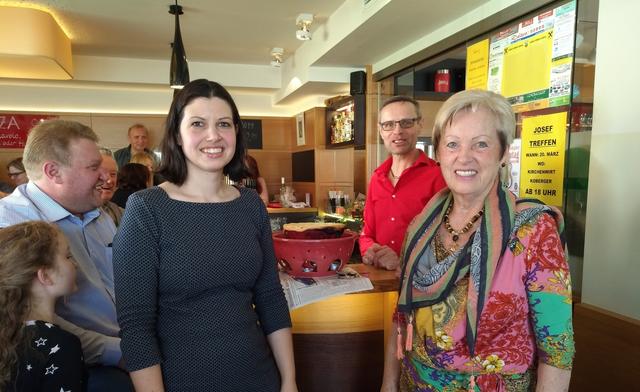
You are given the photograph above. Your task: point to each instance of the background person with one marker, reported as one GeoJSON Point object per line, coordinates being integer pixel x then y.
{"type": "Point", "coordinates": [253, 179]}
{"type": "Point", "coordinates": [65, 180]}
{"type": "Point", "coordinates": [485, 294]}
{"type": "Point", "coordinates": [132, 177]}
{"type": "Point", "coordinates": [35, 270]}
{"type": "Point", "coordinates": [195, 271]}
{"type": "Point", "coordinates": [109, 187]}
{"type": "Point", "coordinates": [16, 172]}
{"type": "Point", "coordinates": [148, 160]}
{"type": "Point", "coordinates": [138, 136]}
{"type": "Point", "coordinates": [400, 187]}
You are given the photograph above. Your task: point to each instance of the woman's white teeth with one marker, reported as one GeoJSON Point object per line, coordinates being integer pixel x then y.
{"type": "Point", "coordinates": [465, 173]}
{"type": "Point", "coordinates": [216, 150]}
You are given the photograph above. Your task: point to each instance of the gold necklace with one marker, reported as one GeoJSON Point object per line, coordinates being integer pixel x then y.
{"type": "Point", "coordinates": [455, 234]}
{"type": "Point", "coordinates": [393, 175]}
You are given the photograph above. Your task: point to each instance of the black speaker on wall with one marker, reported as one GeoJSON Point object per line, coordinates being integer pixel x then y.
{"type": "Point", "coordinates": [358, 83]}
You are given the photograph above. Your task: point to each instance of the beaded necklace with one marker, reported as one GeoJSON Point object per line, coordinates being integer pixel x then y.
{"type": "Point", "coordinates": [455, 234]}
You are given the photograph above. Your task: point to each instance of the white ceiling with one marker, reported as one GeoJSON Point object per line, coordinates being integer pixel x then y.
{"type": "Point", "coordinates": [238, 31]}
{"type": "Point", "coordinates": [230, 40]}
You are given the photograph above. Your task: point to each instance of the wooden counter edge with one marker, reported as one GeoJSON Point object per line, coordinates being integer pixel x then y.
{"type": "Point", "coordinates": [382, 280]}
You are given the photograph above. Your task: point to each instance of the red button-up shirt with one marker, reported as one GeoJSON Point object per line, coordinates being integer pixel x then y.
{"type": "Point", "coordinates": [388, 210]}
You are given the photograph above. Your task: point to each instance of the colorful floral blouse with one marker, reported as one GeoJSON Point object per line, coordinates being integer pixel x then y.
{"type": "Point", "coordinates": [526, 320]}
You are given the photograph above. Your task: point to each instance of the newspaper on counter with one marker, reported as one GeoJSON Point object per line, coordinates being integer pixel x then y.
{"type": "Point", "coordinates": [303, 291]}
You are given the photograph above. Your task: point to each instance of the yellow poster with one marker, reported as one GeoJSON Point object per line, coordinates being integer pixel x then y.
{"type": "Point", "coordinates": [477, 65]}
{"type": "Point", "coordinates": [542, 159]}
{"type": "Point", "coordinates": [527, 67]}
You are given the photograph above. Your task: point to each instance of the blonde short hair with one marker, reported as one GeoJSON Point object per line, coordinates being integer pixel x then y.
{"type": "Point", "coordinates": [472, 100]}
{"type": "Point", "coordinates": [50, 141]}
{"type": "Point", "coordinates": [141, 157]}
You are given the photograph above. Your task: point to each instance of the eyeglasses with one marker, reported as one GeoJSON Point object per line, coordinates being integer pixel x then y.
{"type": "Point", "coordinates": [15, 174]}
{"type": "Point", "coordinates": [405, 123]}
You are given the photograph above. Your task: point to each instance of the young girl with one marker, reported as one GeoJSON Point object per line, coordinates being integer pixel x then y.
{"type": "Point", "coordinates": [36, 268]}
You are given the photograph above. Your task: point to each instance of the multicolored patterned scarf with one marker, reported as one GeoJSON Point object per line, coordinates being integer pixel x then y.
{"type": "Point", "coordinates": [481, 262]}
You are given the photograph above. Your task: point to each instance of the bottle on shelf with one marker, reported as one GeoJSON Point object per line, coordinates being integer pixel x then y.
{"type": "Point", "coordinates": [283, 193]}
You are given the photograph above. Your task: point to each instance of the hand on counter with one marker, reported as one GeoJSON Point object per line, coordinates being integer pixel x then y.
{"type": "Point", "coordinates": [381, 257]}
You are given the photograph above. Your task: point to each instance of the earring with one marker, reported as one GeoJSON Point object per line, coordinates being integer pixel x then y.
{"type": "Point", "coordinates": [503, 164]}
{"type": "Point", "coordinates": [437, 163]}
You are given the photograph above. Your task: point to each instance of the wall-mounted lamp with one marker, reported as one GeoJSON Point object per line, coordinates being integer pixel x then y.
{"type": "Point", "coordinates": [303, 21]}
{"type": "Point", "coordinates": [179, 73]}
{"type": "Point", "coordinates": [276, 56]}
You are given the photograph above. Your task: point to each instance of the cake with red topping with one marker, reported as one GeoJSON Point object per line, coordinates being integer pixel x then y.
{"type": "Point", "coordinates": [313, 230]}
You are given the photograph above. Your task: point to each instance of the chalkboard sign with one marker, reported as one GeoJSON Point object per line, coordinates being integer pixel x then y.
{"type": "Point", "coordinates": [252, 133]}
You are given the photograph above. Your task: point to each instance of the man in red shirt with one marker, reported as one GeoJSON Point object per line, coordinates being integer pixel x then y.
{"type": "Point", "coordinates": [400, 187]}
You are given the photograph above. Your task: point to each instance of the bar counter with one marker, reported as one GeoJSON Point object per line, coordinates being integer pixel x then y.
{"type": "Point", "coordinates": [339, 342]}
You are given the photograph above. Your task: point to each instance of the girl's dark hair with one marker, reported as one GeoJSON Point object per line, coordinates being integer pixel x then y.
{"type": "Point", "coordinates": [173, 166]}
{"type": "Point", "coordinates": [133, 177]}
{"type": "Point", "coordinates": [24, 249]}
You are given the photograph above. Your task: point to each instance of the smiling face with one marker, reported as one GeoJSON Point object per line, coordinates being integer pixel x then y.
{"type": "Point", "coordinates": [139, 139]}
{"type": "Point", "coordinates": [109, 186]}
{"type": "Point", "coordinates": [82, 180]}
{"type": "Point", "coordinates": [399, 141]}
{"type": "Point", "coordinates": [207, 135]}
{"type": "Point", "coordinates": [469, 154]}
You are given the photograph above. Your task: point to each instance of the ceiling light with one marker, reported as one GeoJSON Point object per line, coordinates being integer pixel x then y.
{"type": "Point", "coordinates": [303, 21]}
{"type": "Point", "coordinates": [33, 46]}
{"type": "Point", "coordinates": [179, 73]}
{"type": "Point", "coordinates": [276, 56]}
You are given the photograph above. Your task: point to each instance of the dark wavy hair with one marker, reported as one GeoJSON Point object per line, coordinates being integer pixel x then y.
{"type": "Point", "coordinates": [173, 166]}
{"type": "Point", "coordinates": [24, 249]}
{"type": "Point", "coordinates": [133, 177]}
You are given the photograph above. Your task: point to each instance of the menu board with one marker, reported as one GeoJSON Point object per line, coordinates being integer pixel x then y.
{"type": "Point", "coordinates": [252, 130]}
{"type": "Point", "coordinates": [531, 63]}
{"type": "Point", "coordinates": [542, 157]}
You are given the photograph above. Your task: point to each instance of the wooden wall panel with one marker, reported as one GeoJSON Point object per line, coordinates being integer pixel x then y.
{"type": "Point", "coordinates": [316, 117]}
{"type": "Point", "coordinates": [273, 165]}
{"type": "Point", "coordinates": [429, 110]}
{"type": "Point", "coordinates": [305, 187]}
{"type": "Point", "coordinates": [276, 133]}
{"type": "Point", "coordinates": [359, 172]}
{"type": "Point", "coordinates": [274, 159]}
{"type": "Point", "coordinates": [607, 351]}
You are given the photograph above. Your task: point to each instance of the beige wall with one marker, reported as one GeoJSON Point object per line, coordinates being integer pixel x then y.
{"type": "Point", "coordinates": [611, 257]}
{"type": "Point", "coordinates": [111, 129]}
{"type": "Point", "coordinates": [274, 160]}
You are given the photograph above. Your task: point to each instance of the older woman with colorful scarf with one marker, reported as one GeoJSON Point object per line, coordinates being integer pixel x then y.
{"type": "Point", "coordinates": [485, 294]}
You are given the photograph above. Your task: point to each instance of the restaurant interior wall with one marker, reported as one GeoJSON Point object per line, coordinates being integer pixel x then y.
{"type": "Point", "coordinates": [274, 159]}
